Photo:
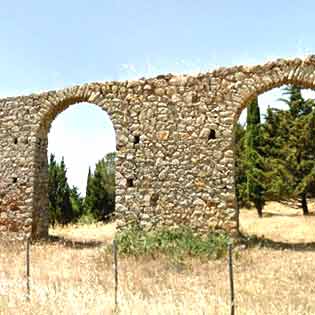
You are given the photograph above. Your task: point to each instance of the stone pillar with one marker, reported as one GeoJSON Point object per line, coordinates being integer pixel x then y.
{"type": "Point", "coordinates": [40, 201]}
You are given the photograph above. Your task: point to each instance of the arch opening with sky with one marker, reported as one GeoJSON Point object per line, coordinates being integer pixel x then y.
{"type": "Point", "coordinates": [82, 134]}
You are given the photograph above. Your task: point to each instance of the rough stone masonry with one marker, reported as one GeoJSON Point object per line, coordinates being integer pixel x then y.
{"type": "Point", "coordinates": [175, 145]}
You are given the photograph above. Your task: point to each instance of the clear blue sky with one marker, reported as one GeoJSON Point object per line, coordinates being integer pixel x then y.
{"type": "Point", "coordinates": [53, 44]}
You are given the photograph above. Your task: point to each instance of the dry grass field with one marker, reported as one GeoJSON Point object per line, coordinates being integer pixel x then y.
{"type": "Point", "coordinates": [280, 223]}
{"type": "Point", "coordinates": [73, 275]}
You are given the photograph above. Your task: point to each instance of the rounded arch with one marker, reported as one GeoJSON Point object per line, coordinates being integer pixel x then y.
{"type": "Point", "coordinates": [53, 104]}
{"type": "Point", "coordinates": [259, 79]}
{"type": "Point", "coordinates": [56, 102]}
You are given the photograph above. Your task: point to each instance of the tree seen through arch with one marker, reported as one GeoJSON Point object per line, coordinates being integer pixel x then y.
{"type": "Point", "coordinates": [275, 155]}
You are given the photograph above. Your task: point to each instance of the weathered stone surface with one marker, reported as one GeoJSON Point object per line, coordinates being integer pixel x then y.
{"type": "Point", "coordinates": [182, 167]}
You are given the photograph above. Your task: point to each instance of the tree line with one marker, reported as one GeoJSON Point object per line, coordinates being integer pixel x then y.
{"type": "Point", "coordinates": [275, 159]}
{"type": "Point", "coordinates": [67, 205]}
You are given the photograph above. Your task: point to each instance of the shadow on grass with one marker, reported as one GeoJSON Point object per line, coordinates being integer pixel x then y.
{"type": "Point", "coordinates": [58, 240]}
{"type": "Point", "coordinates": [74, 243]}
{"type": "Point", "coordinates": [268, 214]}
{"type": "Point", "coordinates": [248, 241]}
{"type": "Point", "coordinates": [260, 241]}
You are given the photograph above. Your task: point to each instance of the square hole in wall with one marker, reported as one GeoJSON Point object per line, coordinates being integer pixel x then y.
{"type": "Point", "coordinates": [136, 139]}
{"type": "Point", "coordinates": [130, 182]}
{"type": "Point", "coordinates": [212, 134]}
{"type": "Point", "coordinates": [195, 98]}
{"type": "Point", "coordinates": [154, 200]}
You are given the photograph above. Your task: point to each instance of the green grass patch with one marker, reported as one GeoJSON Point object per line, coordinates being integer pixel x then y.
{"type": "Point", "coordinates": [177, 243]}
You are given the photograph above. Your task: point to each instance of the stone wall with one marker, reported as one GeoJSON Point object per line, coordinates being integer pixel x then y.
{"type": "Point", "coordinates": [175, 146]}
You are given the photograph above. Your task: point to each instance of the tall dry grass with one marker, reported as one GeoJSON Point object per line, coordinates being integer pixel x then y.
{"type": "Point", "coordinates": [280, 223]}
{"type": "Point", "coordinates": [75, 277]}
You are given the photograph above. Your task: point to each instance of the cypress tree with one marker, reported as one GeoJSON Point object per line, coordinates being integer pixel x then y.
{"type": "Point", "coordinates": [53, 209]}
{"type": "Point", "coordinates": [88, 200]}
{"type": "Point", "coordinates": [64, 195]}
{"type": "Point", "coordinates": [100, 191]}
{"type": "Point", "coordinates": [254, 160]}
{"type": "Point", "coordinates": [240, 167]}
{"type": "Point", "coordinates": [77, 203]}
{"type": "Point", "coordinates": [60, 207]}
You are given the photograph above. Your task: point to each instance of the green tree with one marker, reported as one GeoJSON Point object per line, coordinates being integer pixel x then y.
{"type": "Point", "coordinates": [254, 159]}
{"type": "Point", "coordinates": [297, 105]}
{"type": "Point", "coordinates": [275, 132]}
{"type": "Point", "coordinates": [76, 203]}
{"type": "Point", "coordinates": [299, 149]}
{"type": "Point", "coordinates": [289, 149]}
{"type": "Point", "coordinates": [279, 159]}
{"type": "Point", "coordinates": [53, 177]}
{"type": "Point", "coordinates": [240, 167]}
{"type": "Point", "coordinates": [60, 206]}
{"type": "Point", "coordinates": [100, 191]}
{"type": "Point", "coordinates": [89, 200]}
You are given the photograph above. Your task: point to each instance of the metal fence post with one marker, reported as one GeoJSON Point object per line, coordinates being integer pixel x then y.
{"type": "Point", "coordinates": [28, 289]}
{"type": "Point", "coordinates": [231, 279]}
{"type": "Point", "coordinates": [115, 266]}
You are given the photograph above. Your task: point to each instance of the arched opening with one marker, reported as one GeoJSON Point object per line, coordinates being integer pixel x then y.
{"type": "Point", "coordinates": [75, 162]}
{"type": "Point", "coordinates": [275, 164]}
{"type": "Point", "coordinates": [81, 148]}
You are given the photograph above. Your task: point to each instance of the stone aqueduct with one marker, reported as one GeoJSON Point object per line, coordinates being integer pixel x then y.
{"type": "Point", "coordinates": [175, 152]}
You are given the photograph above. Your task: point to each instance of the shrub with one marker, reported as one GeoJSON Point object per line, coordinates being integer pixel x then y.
{"type": "Point", "coordinates": [176, 243]}
{"type": "Point", "coordinates": [87, 218]}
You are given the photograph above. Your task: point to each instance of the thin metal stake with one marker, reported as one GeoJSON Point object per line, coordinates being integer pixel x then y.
{"type": "Point", "coordinates": [28, 289]}
{"type": "Point", "coordinates": [231, 279]}
{"type": "Point", "coordinates": [115, 272]}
